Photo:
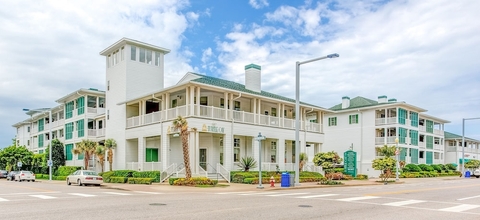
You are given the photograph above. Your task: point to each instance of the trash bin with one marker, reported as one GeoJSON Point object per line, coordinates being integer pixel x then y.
{"type": "Point", "coordinates": [292, 180]}
{"type": "Point", "coordinates": [285, 182]}
{"type": "Point", "coordinates": [467, 174]}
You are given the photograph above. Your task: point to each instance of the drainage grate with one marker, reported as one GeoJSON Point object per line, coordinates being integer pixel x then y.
{"type": "Point", "coordinates": [158, 204]}
{"type": "Point", "coordinates": [305, 206]}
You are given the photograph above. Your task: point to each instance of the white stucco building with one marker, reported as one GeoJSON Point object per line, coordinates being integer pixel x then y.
{"type": "Point", "coordinates": [365, 125]}
{"type": "Point", "coordinates": [454, 152]}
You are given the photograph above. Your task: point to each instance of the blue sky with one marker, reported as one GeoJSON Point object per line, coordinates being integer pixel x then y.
{"type": "Point", "coordinates": [422, 52]}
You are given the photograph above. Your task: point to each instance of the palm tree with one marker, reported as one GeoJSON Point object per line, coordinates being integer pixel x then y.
{"type": "Point", "coordinates": [181, 124]}
{"type": "Point", "coordinates": [100, 152]}
{"type": "Point", "coordinates": [386, 151]}
{"type": "Point", "coordinates": [87, 148]}
{"type": "Point", "coordinates": [303, 160]}
{"type": "Point", "coordinates": [110, 144]}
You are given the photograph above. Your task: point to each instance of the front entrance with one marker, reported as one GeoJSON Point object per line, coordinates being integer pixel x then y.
{"type": "Point", "coordinates": [203, 158]}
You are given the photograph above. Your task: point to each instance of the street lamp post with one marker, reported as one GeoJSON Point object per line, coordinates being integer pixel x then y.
{"type": "Point", "coordinates": [50, 162]}
{"type": "Point", "coordinates": [396, 158]}
{"type": "Point", "coordinates": [463, 142]}
{"type": "Point", "coordinates": [297, 112]}
{"type": "Point", "coordinates": [260, 138]}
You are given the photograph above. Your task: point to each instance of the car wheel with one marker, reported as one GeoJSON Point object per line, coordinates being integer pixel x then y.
{"type": "Point", "coordinates": [33, 180]}
{"type": "Point", "coordinates": [68, 182]}
{"type": "Point", "coordinates": [28, 180]}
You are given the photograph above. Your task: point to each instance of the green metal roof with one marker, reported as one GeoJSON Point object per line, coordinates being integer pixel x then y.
{"type": "Point", "coordinates": [449, 135]}
{"type": "Point", "coordinates": [253, 66]}
{"type": "Point", "coordinates": [358, 102]}
{"type": "Point", "coordinates": [209, 80]}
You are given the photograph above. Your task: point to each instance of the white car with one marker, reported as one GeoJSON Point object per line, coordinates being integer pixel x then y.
{"type": "Point", "coordinates": [25, 176]}
{"type": "Point", "coordinates": [476, 173]}
{"type": "Point", "coordinates": [84, 177]}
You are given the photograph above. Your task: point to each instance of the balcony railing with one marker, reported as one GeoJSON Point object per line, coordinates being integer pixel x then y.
{"type": "Point", "coordinates": [220, 113]}
{"type": "Point", "coordinates": [437, 132]}
{"type": "Point", "coordinates": [384, 121]}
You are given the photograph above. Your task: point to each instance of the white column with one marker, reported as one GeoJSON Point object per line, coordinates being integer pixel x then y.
{"type": "Point", "coordinates": [281, 154]}
{"type": "Point", "coordinates": [167, 103]}
{"type": "Point", "coordinates": [193, 153]}
{"type": "Point", "coordinates": [141, 152]}
{"type": "Point", "coordinates": [228, 161]}
{"type": "Point", "coordinates": [165, 147]}
{"type": "Point", "coordinates": [254, 110]}
{"type": "Point", "coordinates": [226, 104]}
{"type": "Point", "coordinates": [192, 97]}
{"type": "Point", "coordinates": [198, 100]}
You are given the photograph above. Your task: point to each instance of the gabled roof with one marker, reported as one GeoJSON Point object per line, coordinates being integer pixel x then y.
{"type": "Point", "coordinates": [450, 136]}
{"type": "Point", "coordinates": [213, 81]}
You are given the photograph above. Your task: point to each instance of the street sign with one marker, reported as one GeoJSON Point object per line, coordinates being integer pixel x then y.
{"type": "Point", "coordinates": [350, 163]}
{"type": "Point", "coordinates": [19, 164]}
{"type": "Point", "coordinates": [50, 163]}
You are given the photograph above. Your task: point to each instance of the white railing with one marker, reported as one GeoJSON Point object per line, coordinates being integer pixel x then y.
{"type": "Point", "coordinates": [392, 120]}
{"type": "Point", "coordinates": [175, 112]}
{"type": "Point", "coordinates": [421, 160]}
{"type": "Point", "coordinates": [379, 140]}
{"type": "Point", "coordinates": [133, 121]}
{"type": "Point", "coordinates": [269, 166]}
{"type": "Point", "coordinates": [170, 170]}
{"type": "Point", "coordinates": [437, 147]}
{"type": "Point", "coordinates": [289, 166]}
{"type": "Point", "coordinates": [152, 117]}
{"type": "Point", "coordinates": [383, 121]}
{"type": "Point", "coordinates": [391, 140]}
{"type": "Point", "coordinates": [315, 127]}
{"type": "Point", "coordinates": [437, 132]}
{"type": "Point", "coordinates": [101, 132]}
{"type": "Point", "coordinates": [223, 172]}
{"type": "Point", "coordinates": [92, 133]}
{"type": "Point", "coordinates": [152, 166]}
{"type": "Point", "coordinates": [201, 170]}
{"type": "Point", "coordinates": [421, 145]}
{"type": "Point", "coordinates": [133, 166]}
{"type": "Point", "coordinates": [288, 123]}
{"type": "Point", "coordinates": [421, 128]}
{"type": "Point", "coordinates": [92, 110]}
{"type": "Point", "coordinates": [312, 168]}
{"type": "Point", "coordinates": [180, 169]}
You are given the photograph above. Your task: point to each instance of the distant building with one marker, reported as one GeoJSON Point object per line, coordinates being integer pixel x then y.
{"type": "Point", "coordinates": [365, 125]}
{"type": "Point", "coordinates": [454, 152]}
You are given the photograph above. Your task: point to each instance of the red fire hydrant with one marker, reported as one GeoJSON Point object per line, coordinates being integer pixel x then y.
{"type": "Point", "coordinates": [272, 182]}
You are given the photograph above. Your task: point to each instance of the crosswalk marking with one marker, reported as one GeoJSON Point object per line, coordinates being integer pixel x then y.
{"type": "Point", "coordinates": [316, 196]}
{"type": "Point", "coordinates": [250, 194]}
{"type": "Point", "coordinates": [144, 192]}
{"type": "Point", "coordinates": [43, 196]}
{"type": "Point", "coordinates": [225, 193]}
{"type": "Point", "coordinates": [3, 200]}
{"type": "Point", "coordinates": [288, 194]}
{"type": "Point", "coordinates": [407, 202]}
{"type": "Point", "coordinates": [357, 198]}
{"type": "Point", "coordinates": [81, 194]}
{"type": "Point", "coordinates": [460, 208]}
{"type": "Point", "coordinates": [120, 194]}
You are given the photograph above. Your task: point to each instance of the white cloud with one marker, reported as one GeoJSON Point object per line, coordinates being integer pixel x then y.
{"type": "Point", "coordinates": [257, 4]}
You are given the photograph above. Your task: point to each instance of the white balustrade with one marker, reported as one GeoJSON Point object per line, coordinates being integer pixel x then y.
{"type": "Point", "coordinates": [379, 140]}
{"type": "Point", "coordinates": [92, 133]}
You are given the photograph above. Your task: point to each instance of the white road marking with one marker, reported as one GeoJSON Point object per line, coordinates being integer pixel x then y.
{"type": "Point", "coordinates": [81, 194]}
{"type": "Point", "coordinates": [288, 194]}
{"type": "Point", "coordinates": [316, 196]}
{"type": "Point", "coordinates": [43, 196]}
{"type": "Point", "coordinates": [250, 194]}
{"type": "Point", "coordinates": [468, 198]}
{"type": "Point", "coordinates": [407, 202]}
{"type": "Point", "coordinates": [3, 200]}
{"type": "Point", "coordinates": [120, 194]}
{"type": "Point", "coordinates": [357, 198]}
{"type": "Point", "coordinates": [225, 193]}
{"type": "Point", "coordinates": [144, 192]}
{"type": "Point", "coordinates": [460, 208]}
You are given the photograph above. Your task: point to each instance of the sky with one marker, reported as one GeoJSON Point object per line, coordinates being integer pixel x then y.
{"type": "Point", "coordinates": [425, 53]}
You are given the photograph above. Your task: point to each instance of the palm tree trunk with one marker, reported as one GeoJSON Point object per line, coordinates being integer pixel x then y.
{"type": "Point", "coordinates": [110, 158]}
{"type": "Point", "coordinates": [186, 157]}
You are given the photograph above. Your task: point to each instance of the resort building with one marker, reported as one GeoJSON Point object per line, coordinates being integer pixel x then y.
{"type": "Point", "coordinates": [364, 125]}
{"type": "Point", "coordinates": [454, 152]}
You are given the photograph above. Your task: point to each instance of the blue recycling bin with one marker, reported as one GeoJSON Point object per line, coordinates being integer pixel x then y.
{"type": "Point", "coordinates": [467, 174]}
{"type": "Point", "coordinates": [285, 182]}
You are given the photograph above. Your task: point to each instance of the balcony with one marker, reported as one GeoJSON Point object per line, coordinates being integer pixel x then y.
{"type": "Point", "coordinates": [385, 121]}
{"type": "Point", "coordinates": [216, 113]}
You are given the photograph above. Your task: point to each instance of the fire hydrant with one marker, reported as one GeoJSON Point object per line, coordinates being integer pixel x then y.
{"type": "Point", "coordinates": [272, 182]}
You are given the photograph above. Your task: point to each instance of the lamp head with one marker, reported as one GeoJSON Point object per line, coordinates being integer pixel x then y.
{"type": "Point", "coordinates": [333, 55]}
{"type": "Point", "coordinates": [396, 140]}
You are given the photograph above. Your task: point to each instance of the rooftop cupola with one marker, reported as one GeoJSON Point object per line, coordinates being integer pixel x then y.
{"type": "Point", "coordinates": [345, 102]}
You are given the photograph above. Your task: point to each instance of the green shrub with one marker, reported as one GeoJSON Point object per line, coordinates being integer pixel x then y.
{"type": "Point", "coordinates": [361, 177]}
{"type": "Point", "coordinates": [411, 168]}
{"type": "Point", "coordinates": [106, 176]}
{"type": "Point", "coordinates": [310, 174]}
{"type": "Point", "coordinates": [42, 176]}
{"type": "Point", "coordinates": [66, 170]}
{"type": "Point", "coordinates": [116, 179]}
{"type": "Point", "coordinates": [240, 177]}
{"type": "Point", "coordinates": [123, 173]}
{"type": "Point", "coordinates": [147, 181]}
{"type": "Point", "coordinates": [171, 180]}
{"type": "Point", "coordinates": [59, 177]}
{"type": "Point", "coordinates": [195, 181]}
{"type": "Point", "coordinates": [436, 167]}
{"type": "Point", "coordinates": [155, 175]}
{"type": "Point", "coordinates": [451, 166]}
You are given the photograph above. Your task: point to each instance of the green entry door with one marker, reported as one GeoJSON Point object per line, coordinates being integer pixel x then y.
{"type": "Point", "coordinates": [151, 155]}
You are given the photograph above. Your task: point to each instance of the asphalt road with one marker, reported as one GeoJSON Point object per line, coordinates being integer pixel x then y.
{"type": "Point", "coordinates": [444, 199]}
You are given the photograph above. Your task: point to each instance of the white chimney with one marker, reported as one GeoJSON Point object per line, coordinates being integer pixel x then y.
{"type": "Point", "coordinates": [382, 99]}
{"type": "Point", "coordinates": [253, 78]}
{"type": "Point", "coordinates": [345, 102]}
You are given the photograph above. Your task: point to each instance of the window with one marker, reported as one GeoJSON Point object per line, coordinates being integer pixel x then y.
{"type": "Point", "coordinates": [60, 132]}
{"type": "Point", "coordinates": [80, 105]}
{"type": "Point", "coordinates": [108, 85]}
{"type": "Point", "coordinates": [108, 61]}
{"type": "Point", "coordinates": [40, 124]}
{"type": "Point", "coordinates": [332, 121]}
{"type": "Point", "coordinates": [284, 113]}
{"type": "Point", "coordinates": [149, 56]}
{"type": "Point", "coordinates": [174, 103]}
{"type": "Point", "coordinates": [69, 110]}
{"type": "Point", "coordinates": [80, 128]}
{"type": "Point", "coordinates": [142, 55]}
{"type": "Point", "coordinates": [122, 53]}
{"type": "Point", "coordinates": [237, 105]}
{"type": "Point", "coordinates": [101, 102]}
{"type": "Point", "coordinates": [353, 119]}
{"type": "Point", "coordinates": [222, 102]}
{"type": "Point", "coordinates": [236, 150]}
{"type": "Point", "coordinates": [151, 155]}
{"type": "Point", "coordinates": [69, 131]}
{"type": "Point", "coordinates": [414, 119]}
{"type": "Point", "coordinates": [273, 152]}
{"type": "Point", "coordinates": [40, 140]}
{"type": "Point", "coordinates": [28, 142]}
{"type": "Point", "coordinates": [414, 137]}
{"type": "Point", "coordinates": [429, 126]}
{"type": "Point", "coordinates": [436, 155]}
{"type": "Point", "coordinates": [429, 142]}
{"type": "Point", "coordinates": [204, 100]}
{"type": "Point", "coordinates": [157, 58]}
{"type": "Point", "coordinates": [274, 112]}
{"type": "Point", "coordinates": [108, 114]}
{"type": "Point", "coordinates": [402, 115]}
{"type": "Point", "coordinates": [133, 53]}
{"type": "Point", "coordinates": [28, 129]}
{"type": "Point", "coordinates": [402, 134]}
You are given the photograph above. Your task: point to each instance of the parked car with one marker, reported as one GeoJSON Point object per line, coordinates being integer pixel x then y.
{"type": "Point", "coordinates": [11, 175]}
{"type": "Point", "coordinates": [85, 177]}
{"type": "Point", "coordinates": [3, 173]}
{"type": "Point", "coordinates": [476, 173]}
{"type": "Point", "coordinates": [25, 176]}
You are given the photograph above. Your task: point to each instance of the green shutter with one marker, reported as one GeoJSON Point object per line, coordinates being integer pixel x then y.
{"type": "Point", "coordinates": [414, 119]}
{"type": "Point", "coordinates": [402, 113]}
{"type": "Point", "coordinates": [429, 126]}
{"type": "Point", "coordinates": [68, 151]}
{"type": "Point", "coordinates": [402, 132]}
{"type": "Point", "coordinates": [151, 155]}
{"type": "Point", "coordinates": [414, 158]}
{"type": "Point", "coordinates": [429, 142]}
{"type": "Point", "coordinates": [68, 110]}
{"type": "Point", "coordinates": [69, 131]}
{"type": "Point", "coordinates": [40, 140]}
{"type": "Point", "coordinates": [41, 123]}
{"type": "Point", "coordinates": [403, 153]}
{"type": "Point", "coordinates": [81, 105]}
{"type": "Point", "coordinates": [414, 137]}
{"type": "Point", "coordinates": [81, 156]}
{"type": "Point", "coordinates": [429, 157]}
{"type": "Point", "coordinates": [80, 128]}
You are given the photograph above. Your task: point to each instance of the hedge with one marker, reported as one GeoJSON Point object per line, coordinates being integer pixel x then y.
{"type": "Point", "coordinates": [154, 175]}
{"type": "Point", "coordinates": [66, 170]}
{"type": "Point", "coordinates": [116, 179]}
{"type": "Point", "coordinates": [106, 176]}
{"type": "Point", "coordinates": [123, 173]}
{"type": "Point", "coordinates": [194, 181]}
{"type": "Point", "coordinates": [147, 181]}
